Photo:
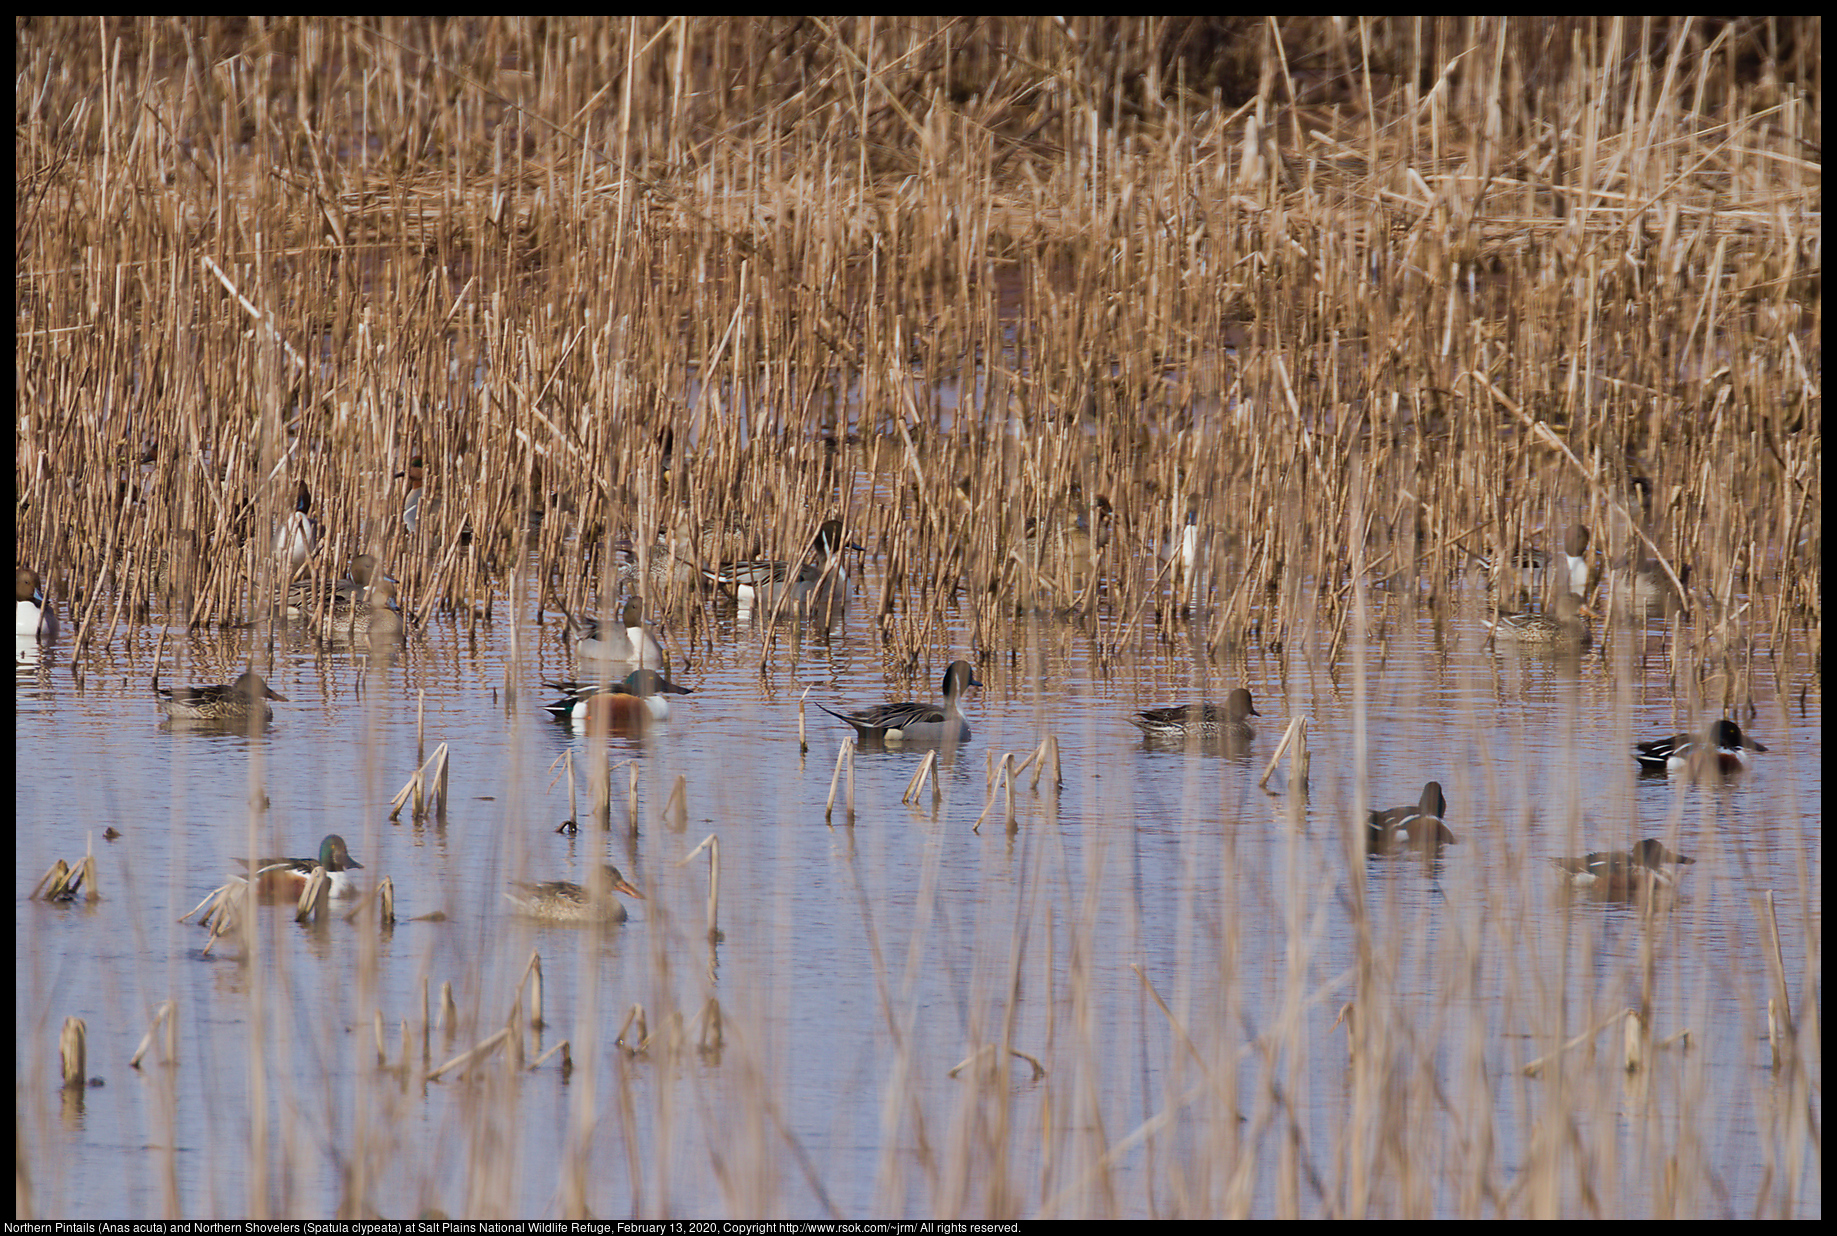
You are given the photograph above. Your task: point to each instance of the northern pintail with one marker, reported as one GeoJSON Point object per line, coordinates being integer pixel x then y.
{"type": "Point", "coordinates": [285, 878]}
{"type": "Point", "coordinates": [922, 723]}
{"type": "Point", "coordinates": [589, 702]}
{"type": "Point", "coordinates": [1417, 827]}
{"type": "Point", "coordinates": [416, 476]}
{"type": "Point", "coordinates": [760, 583]}
{"type": "Point", "coordinates": [294, 543]}
{"type": "Point", "coordinates": [1642, 589]}
{"type": "Point", "coordinates": [624, 643]}
{"type": "Point", "coordinates": [1578, 575]}
{"type": "Point", "coordinates": [1724, 748]}
{"type": "Point", "coordinates": [243, 700]}
{"type": "Point", "coordinates": [1618, 875]}
{"type": "Point", "coordinates": [1206, 722]}
{"type": "Point", "coordinates": [1565, 626]}
{"type": "Point", "coordinates": [34, 617]}
{"type": "Point", "coordinates": [558, 901]}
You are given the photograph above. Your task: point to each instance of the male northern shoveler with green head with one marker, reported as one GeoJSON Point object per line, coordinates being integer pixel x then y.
{"type": "Point", "coordinates": [639, 698]}
{"type": "Point", "coordinates": [760, 583]}
{"type": "Point", "coordinates": [1620, 874]}
{"type": "Point", "coordinates": [1411, 828]}
{"type": "Point", "coordinates": [1724, 749]}
{"type": "Point", "coordinates": [1206, 722]}
{"type": "Point", "coordinates": [283, 879]}
{"type": "Point", "coordinates": [34, 617]}
{"type": "Point", "coordinates": [1565, 626]}
{"type": "Point", "coordinates": [917, 723]}
{"type": "Point", "coordinates": [558, 901]}
{"type": "Point", "coordinates": [244, 700]}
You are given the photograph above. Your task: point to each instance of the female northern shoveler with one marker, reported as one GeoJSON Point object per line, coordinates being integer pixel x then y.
{"type": "Point", "coordinates": [761, 582]}
{"type": "Point", "coordinates": [1208, 722]}
{"type": "Point", "coordinates": [640, 697]}
{"type": "Point", "coordinates": [922, 723]}
{"type": "Point", "coordinates": [558, 901]}
{"type": "Point", "coordinates": [278, 879]}
{"type": "Point", "coordinates": [293, 544]}
{"type": "Point", "coordinates": [34, 616]}
{"type": "Point", "coordinates": [623, 643]}
{"type": "Point", "coordinates": [1565, 626]}
{"type": "Point", "coordinates": [1724, 749]}
{"type": "Point", "coordinates": [244, 700]}
{"type": "Point", "coordinates": [1403, 828]}
{"type": "Point", "coordinates": [1624, 873]}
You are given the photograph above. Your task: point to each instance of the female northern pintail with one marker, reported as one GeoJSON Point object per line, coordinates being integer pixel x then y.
{"type": "Point", "coordinates": [372, 615]}
{"type": "Point", "coordinates": [245, 699]}
{"type": "Point", "coordinates": [909, 722]}
{"type": "Point", "coordinates": [285, 878]}
{"type": "Point", "coordinates": [1621, 874]}
{"type": "Point", "coordinates": [34, 617]}
{"type": "Point", "coordinates": [1419, 827]}
{"type": "Point", "coordinates": [558, 901]}
{"type": "Point", "coordinates": [293, 544]}
{"type": "Point", "coordinates": [760, 583]}
{"type": "Point", "coordinates": [1565, 626]}
{"type": "Point", "coordinates": [643, 691]}
{"type": "Point", "coordinates": [1203, 721]}
{"type": "Point", "coordinates": [1723, 749]}
{"type": "Point", "coordinates": [624, 643]}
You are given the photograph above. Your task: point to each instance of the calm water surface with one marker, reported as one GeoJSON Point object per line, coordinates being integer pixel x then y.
{"type": "Point", "coordinates": [860, 964]}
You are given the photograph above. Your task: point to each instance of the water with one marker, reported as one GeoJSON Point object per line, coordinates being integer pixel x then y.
{"type": "Point", "coordinates": [860, 963]}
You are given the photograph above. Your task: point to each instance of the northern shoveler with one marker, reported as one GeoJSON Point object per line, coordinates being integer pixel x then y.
{"type": "Point", "coordinates": [1418, 827]}
{"type": "Point", "coordinates": [243, 700]}
{"type": "Point", "coordinates": [921, 723]}
{"type": "Point", "coordinates": [1204, 721]}
{"type": "Point", "coordinates": [643, 691]}
{"type": "Point", "coordinates": [293, 544]}
{"type": "Point", "coordinates": [34, 616]}
{"type": "Point", "coordinates": [558, 901]}
{"type": "Point", "coordinates": [1619, 874]}
{"type": "Point", "coordinates": [1565, 626]}
{"type": "Point", "coordinates": [278, 879]}
{"type": "Point", "coordinates": [623, 643]}
{"type": "Point", "coordinates": [1724, 748]}
{"type": "Point", "coordinates": [760, 583]}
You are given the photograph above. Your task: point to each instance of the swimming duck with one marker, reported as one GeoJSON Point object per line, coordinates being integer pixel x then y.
{"type": "Point", "coordinates": [34, 617]}
{"type": "Point", "coordinates": [1578, 576]}
{"type": "Point", "coordinates": [284, 879]}
{"type": "Point", "coordinates": [620, 701]}
{"type": "Point", "coordinates": [1565, 626]}
{"type": "Point", "coordinates": [760, 583]}
{"type": "Point", "coordinates": [1204, 721]}
{"type": "Point", "coordinates": [1724, 748]}
{"type": "Point", "coordinates": [1418, 827]}
{"type": "Point", "coordinates": [370, 615]}
{"type": "Point", "coordinates": [921, 723]}
{"type": "Point", "coordinates": [558, 901]}
{"type": "Point", "coordinates": [1620, 874]}
{"type": "Point", "coordinates": [245, 699]}
{"type": "Point", "coordinates": [624, 643]}
{"type": "Point", "coordinates": [293, 544]}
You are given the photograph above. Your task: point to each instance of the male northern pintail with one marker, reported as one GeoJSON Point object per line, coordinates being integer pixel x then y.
{"type": "Point", "coordinates": [1578, 575]}
{"type": "Point", "coordinates": [1565, 626]}
{"type": "Point", "coordinates": [1724, 748]}
{"type": "Point", "coordinates": [245, 699]}
{"type": "Point", "coordinates": [34, 617]}
{"type": "Point", "coordinates": [416, 476]}
{"type": "Point", "coordinates": [1642, 588]}
{"type": "Point", "coordinates": [559, 901]}
{"type": "Point", "coordinates": [625, 642]}
{"type": "Point", "coordinates": [643, 691]}
{"type": "Point", "coordinates": [760, 583]}
{"type": "Point", "coordinates": [1418, 827]}
{"type": "Point", "coordinates": [293, 544]}
{"type": "Point", "coordinates": [285, 878]}
{"type": "Point", "coordinates": [1619, 874]}
{"type": "Point", "coordinates": [1204, 721]}
{"type": "Point", "coordinates": [922, 723]}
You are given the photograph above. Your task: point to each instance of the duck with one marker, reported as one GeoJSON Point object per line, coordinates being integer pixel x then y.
{"type": "Point", "coordinates": [760, 583]}
{"type": "Point", "coordinates": [642, 689]}
{"type": "Point", "coordinates": [294, 543]}
{"type": "Point", "coordinates": [34, 617]}
{"type": "Point", "coordinates": [416, 476]}
{"type": "Point", "coordinates": [1203, 721]}
{"type": "Point", "coordinates": [1642, 587]}
{"type": "Point", "coordinates": [1724, 748]}
{"type": "Point", "coordinates": [1566, 626]}
{"type": "Point", "coordinates": [623, 643]}
{"type": "Point", "coordinates": [920, 723]}
{"type": "Point", "coordinates": [304, 597]}
{"type": "Point", "coordinates": [284, 879]}
{"type": "Point", "coordinates": [1578, 575]}
{"type": "Point", "coordinates": [242, 700]}
{"type": "Point", "coordinates": [1621, 874]}
{"type": "Point", "coordinates": [558, 901]}
{"type": "Point", "coordinates": [371, 615]}
{"type": "Point", "coordinates": [1417, 827]}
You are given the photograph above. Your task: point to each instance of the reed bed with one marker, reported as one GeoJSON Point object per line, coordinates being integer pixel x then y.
{"type": "Point", "coordinates": [1383, 302]}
